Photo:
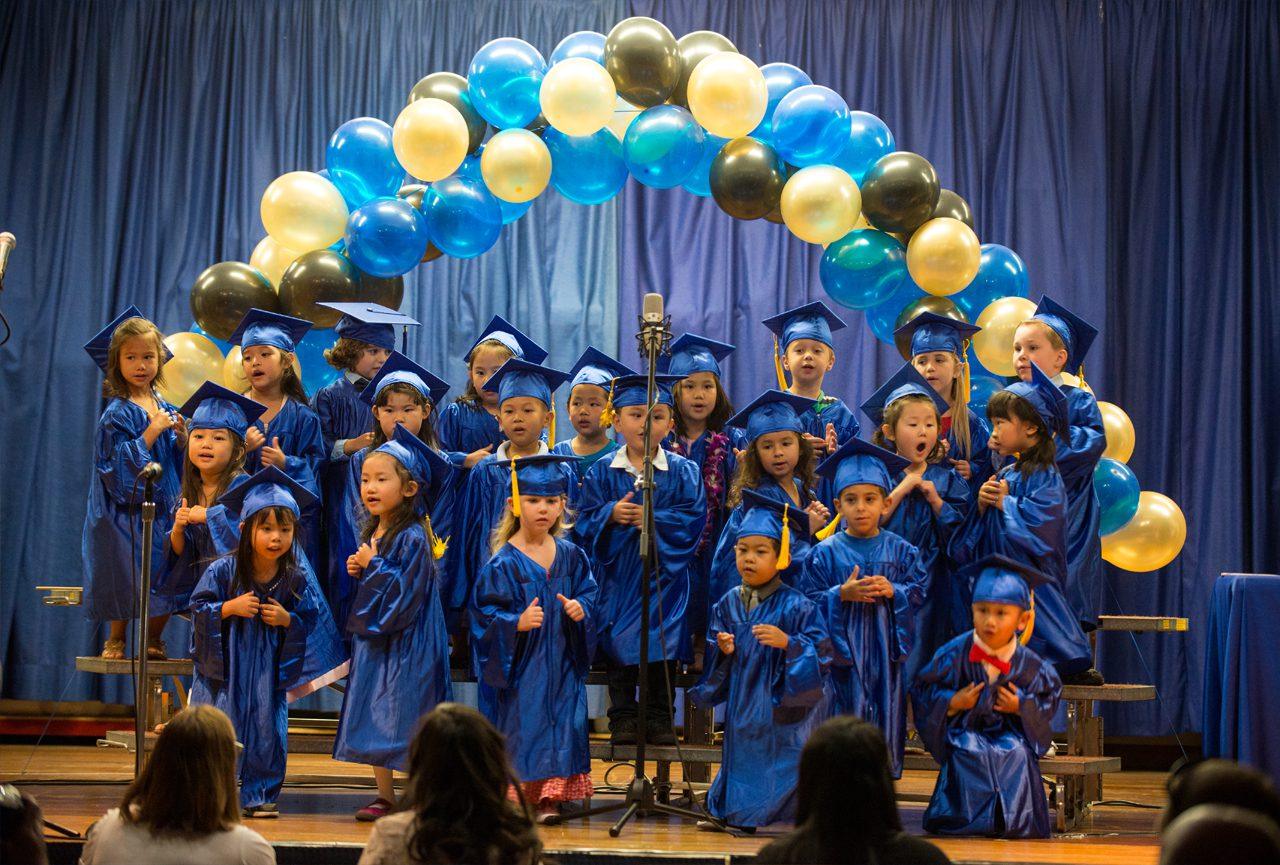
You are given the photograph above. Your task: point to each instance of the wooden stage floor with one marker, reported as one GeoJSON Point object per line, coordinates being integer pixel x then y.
{"type": "Point", "coordinates": [76, 784]}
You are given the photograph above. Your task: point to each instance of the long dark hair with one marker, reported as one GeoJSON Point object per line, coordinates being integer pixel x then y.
{"type": "Point", "coordinates": [720, 413]}
{"type": "Point", "coordinates": [470, 397]}
{"type": "Point", "coordinates": [750, 473]}
{"type": "Point", "coordinates": [469, 818]}
{"type": "Point", "coordinates": [286, 565]}
{"type": "Point", "coordinates": [400, 518]}
{"type": "Point", "coordinates": [893, 414]}
{"type": "Point", "coordinates": [193, 483]}
{"type": "Point", "coordinates": [844, 796]}
{"type": "Point", "coordinates": [1009, 406]}
{"type": "Point", "coordinates": [427, 432]}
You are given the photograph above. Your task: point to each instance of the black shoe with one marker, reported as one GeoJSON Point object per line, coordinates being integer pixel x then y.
{"type": "Point", "coordinates": [658, 732]}
{"type": "Point", "coordinates": [623, 731]}
{"type": "Point", "coordinates": [1089, 678]}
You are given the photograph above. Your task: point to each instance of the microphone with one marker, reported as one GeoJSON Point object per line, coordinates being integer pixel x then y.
{"type": "Point", "coordinates": [651, 312]}
{"type": "Point", "coordinates": [151, 471]}
{"type": "Point", "coordinates": [654, 325]}
{"type": "Point", "coordinates": [7, 243]}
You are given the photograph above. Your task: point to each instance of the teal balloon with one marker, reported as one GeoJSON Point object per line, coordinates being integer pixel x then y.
{"type": "Point", "coordinates": [1118, 491]}
{"type": "Point", "coordinates": [883, 317]}
{"type": "Point", "coordinates": [463, 218]}
{"type": "Point", "coordinates": [316, 371]}
{"type": "Point", "coordinates": [503, 80]}
{"type": "Point", "coordinates": [811, 126]}
{"type": "Point", "coordinates": [470, 169]}
{"type": "Point", "coordinates": [1001, 273]}
{"type": "Point", "coordinates": [584, 43]}
{"type": "Point", "coordinates": [864, 268]}
{"type": "Point", "coordinates": [779, 79]}
{"type": "Point", "coordinates": [662, 146]}
{"type": "Point", "coordinates": [981, 389]}
{"type": "Point", "coordinates": [869, 139]}
{"type": "Point", "coordinates": [386, 237]}
{"type": "Point", "coordinates": [586, 169]}
{"type": "Point", "coordinates": [361, 162]}
{"type": "Point", "coordinates": [699, 180]}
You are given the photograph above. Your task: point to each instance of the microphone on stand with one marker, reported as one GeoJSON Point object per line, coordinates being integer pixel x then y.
{"type": "Point", "coordinates": [151, 472]}
{"type": "Point", "coordinates": [7, 244]}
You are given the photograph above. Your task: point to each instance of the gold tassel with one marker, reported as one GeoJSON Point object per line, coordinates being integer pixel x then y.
{"type": "Point", "coordinates": [1083, 384]}
{"type": "Point", "coordinates": [829, 529]}
{"type": "Point", "coordinates": [784, 545]}
{"type": "Point", "coordinates": [438, 545]}
{"type": "Point", "coordinates": [965, 375]}
{"type": "Point", "coordinates": [551, 433]}
{"type": "Point", "coordinates": [607, 414]}
{"type": "Point", "coordinates": [1025, 637]}
{"type": "Point", "coordinates": [515, 491]}
{"type": "Point", "coordinates": [777, 364]}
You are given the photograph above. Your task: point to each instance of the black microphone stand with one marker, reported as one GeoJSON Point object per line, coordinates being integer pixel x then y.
{"type": "Point", "coordinates": [142, 698]}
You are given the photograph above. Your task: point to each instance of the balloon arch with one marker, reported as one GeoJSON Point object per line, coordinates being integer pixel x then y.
{"type": "Point", "coordinates": [764, 142]}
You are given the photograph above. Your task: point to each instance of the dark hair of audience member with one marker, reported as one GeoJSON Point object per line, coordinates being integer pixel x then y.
{"type": "Point", "coordinates": [1220, 834]}
{"type": "Point", "coordinates": [1221, 782]}
{"type": "Point", "coordinates": [21, 828]}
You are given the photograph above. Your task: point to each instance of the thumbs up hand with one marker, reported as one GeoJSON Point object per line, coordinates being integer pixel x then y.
{"type": "Point", "coordinates": [531, 617]}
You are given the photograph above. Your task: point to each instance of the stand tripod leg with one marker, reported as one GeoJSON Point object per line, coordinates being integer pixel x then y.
{"type": "Point", "coordinates": [616, 829]}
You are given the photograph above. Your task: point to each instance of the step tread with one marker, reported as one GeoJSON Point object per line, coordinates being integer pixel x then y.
{"type": "Point", "coordinates": [1114, 693]}
{"type": "Point", "coordinates": [129, 666]}
{"type": "Point", "coordinates": [1144, 623]}
{"type": "Point", "coordinates": [1063, 764]}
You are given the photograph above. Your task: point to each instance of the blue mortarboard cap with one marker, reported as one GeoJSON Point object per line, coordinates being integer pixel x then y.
{"type": "Point", "coordinates": [1001, 580]}
{"type": "Point", "coordinates": [629, 390]}
{"type": "Point", "coordinates": [905, 382]}
{"type": "Point", "coordinates": [100, 345]}
{"type": "Point", "coordinates": [811, 321]}
{"type": "Point", "coordinates": [597, 368]}
{"type": "Point", "coordinates": [268, 487]}
{"type": "Point", "coordinates": [772, 411]}
{"type": "Point", "coordinates": [370, 322]}
{"type": "Point", "coordinates": [399, 369]}
{"type": "Point", "coordinates": [213, 406]}
{"type": "Point", "coordinates": [260, 327]}
{"type": "Point", "coordinates": [516, 342]}
{"type": "Point", "coordinates": [764, 517]}
{"type": "Point", "coordinates": [691, 353]}
{"type": "Point", "coordinates": [932, 332]}
{"type": "Point", "coordinates": [1046, 398]}
{"type": "Point", "coordinates": [541, 474]}
{"type": "Point", "coordinates": [428, 468]}
{"type": "Point", "coordinates": [519, 377]}
{"type": "Point", "coordinates": [860, 462]}
{"type": "Point", "coordinates": [1076, 333]}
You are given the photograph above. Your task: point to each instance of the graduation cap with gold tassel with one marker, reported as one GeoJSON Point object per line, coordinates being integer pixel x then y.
{"type": "Point", "coordinates": [768, 517]}
{"type": "Point", "coordinates": [539, 475]}
{"type": "Point", "coordinates": [813, 321]}
{"type": "Point", "coordinates": [1001, 580]}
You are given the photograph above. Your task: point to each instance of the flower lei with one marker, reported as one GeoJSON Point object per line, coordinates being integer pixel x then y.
{"type": "Point", "coordinates": [713, 479]}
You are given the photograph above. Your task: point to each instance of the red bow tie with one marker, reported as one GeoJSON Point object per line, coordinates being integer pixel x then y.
{"type": "Point", "coordinates": [978, 656]}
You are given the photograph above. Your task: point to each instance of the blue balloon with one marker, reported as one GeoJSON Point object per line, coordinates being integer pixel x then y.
{"type": "Point", "coordinates": [811, 125]}
{"type": "Point", "coordinates": [463, 218]}
{"type": "Point", "coordinates": [504, 79]}
{"type": "Point", "coordinates": [883, 317]}
{"type": "Point", "coordinates": [223, 345]}
{"type": "Point", "coordinates": [586, 169]}
{"type": "Point", "coordinates": [1118, 491]}
{"type": "Point", "coordinates": [981, 389]}
{"type": "Point", "coordinates": [361, 161]}
{"type": "Point", "coordinates": [584, 43]}
{"type": "Point", "coordinates": [864, 268]}
{"type": "Point", "coordinates": [699, 180]}
{"type": "Point", "coordinates": [780, 79]}
{"type": "Point", "coordinates": [316, 371]}
{"type": "Point", "coordinates": [386, 237]}
{"type": "Point", "coordinates": [470, 169]}
{"type": "Point", "coordinates": [869, 139]}
{"type": "Point", "coordinates": [351, 204]}
{"type": "Point", "coordinates": [1001, 273]}
{"type": "Point", "coordinates": [662, 146]}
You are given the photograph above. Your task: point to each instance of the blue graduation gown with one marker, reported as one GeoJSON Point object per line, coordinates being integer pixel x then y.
{"type": "Point", "coordinates": [990, 781]}
{"type": "Point", "coordinates": [565, 449]}
{"type": "Point", "coordinates": [814, 422]}
{"type": "Point", "coordinates": [399, 654]}
{"type": "Point", "coordinates": [724, 564]}
{"type": "Point", "coordinates": [466, 427]}
{"type": "Point", "coordinates": [979, 458]}
{"type": "Point", "coordinates": [342, 416]}
{"type": "Point", "coordinates": [218, 535]}
{"type": "Point", "coordinates": [1030, 529]}
{"type": "Point", "coordinates": [1077, 458]}
{"type": "Point", "coordinates": [111, 544]}
{"type": "Point", "coordinates": [536, 681]}
{"type": "Point", "coordinates": [680, 510]}
{"type": "Point", "coordinates": [774, 699]}
{"type": "Point", "coordinates": [298, 428]}
{"type": "Point", "coordinates": [252, 670]}
{"type": "Point", "coordinates": [869, 642]}
{"type": "Point", "coordinates": [914, 520]}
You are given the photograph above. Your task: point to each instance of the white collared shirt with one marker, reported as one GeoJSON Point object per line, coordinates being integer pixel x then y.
{"type": "Point", "coordinates": [1003, 654]}
{"type": "Point", "coordinates": [622, 461]}
{"type": "Point", "coordinates": [501, 452]}
{"type": "Point", "coordinates": [1058, 380]}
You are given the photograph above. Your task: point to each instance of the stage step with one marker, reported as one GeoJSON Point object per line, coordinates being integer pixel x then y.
{"type": "Point", "coordinates": [1159, 624]}
{"type": "Point", "coordinates": [1110, 693]}
{"type": "Point", "coordinates": [1077, 766]}
{"type": "Point", "coordinates": [129, 666]}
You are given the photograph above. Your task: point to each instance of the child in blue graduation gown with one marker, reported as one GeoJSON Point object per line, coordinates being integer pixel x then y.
{"type": "Point", "coordinates": [766, 656]}
{"type": "Point", "coordinates": [868, 584]}
{"type": "Point", "coordinates": [366, 337]}
{"type": "Point", "coordinates": [984, 706]}
{"type": "Point", "coordinates": [777, 463]}
{"type": "Point", "coordinates": [293, 440]}
{"type": "Point", "coordinates": [137, 427]}
{"type": "Point", "coordinates": [928, 500]}
{"type": "Point", "coordinates": [219, 423]}
{"type": "Point", "coordinates": [1055, 339]}
{"type": "Point", "coordinates": [399, 643]}
{"type": "Point", "coordinates": [588, 395]}
{"type": "Point", "coordinates": [1021, 513]}
{"type": "Point", "coordinates": [261, 633]}
{"type": "Point", "coordinates": [609, 517]}
{"type": "Point", "coordinates": [533, 634]}
{"type": "Point", "coordinates": [938, 348]}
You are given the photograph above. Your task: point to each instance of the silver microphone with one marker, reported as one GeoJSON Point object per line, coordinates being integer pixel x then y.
{"type": "Point", "coordinates": [8, 242]}
{"type": "Point", "coordinates": [651, 313]}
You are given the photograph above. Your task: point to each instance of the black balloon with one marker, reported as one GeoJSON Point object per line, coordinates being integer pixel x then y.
{"type": "Point", "coordinates": [224, 292]}
{"type": "Point", "coordinates": [952, 205]}
{"type": "Point", "coordinates": [452, 88]}
{"type": "Point", "coordinates": [388, 291]}
{"type": "Point", "coordinates": [538, 125]}
{"type": "Point", "coordinates": [900, 192]}
{"type": "Point", "coordinates": [775, 216]}
{"type": "Point", "coordinates": [319, 276]}
{"type": "Point", "coordinates": [942, 306]}
{"type": "Point", "coordinates": [695, 47]}
{"type": "Point", "coordinates": [414, 193]}
{"type": "Point", "coordinates": [643, 59]}
{"type": "Point", "coordinates": [747, 177]}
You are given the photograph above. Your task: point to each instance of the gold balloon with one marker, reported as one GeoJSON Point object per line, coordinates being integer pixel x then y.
{"type": "Point", "coordinates": [516, 165]}
{"type": "Point", "coordinates": [430, 139]}
{"type": "Point", "coordinates": [943, 256]}
{"type": "Point", "coordinates": [994, 343]}
{"type": "Point", "coordinates": [233, 377]}
{"type": "Point", "coordinates": [1152, 539]}
{"type": "Point", "coordinates": [195, 360]}
{"type": "Point", "coordinates": [1120, 435]}
{"type": "Point", "coordinates": [272, 259]}
{"type": "Point", "coordinates": [727, 94]}
{"type": "Point", "coordinates": [577, 96]}
{"type": "Point", "coordinates": [820, 203]}
{"type": "Point", "coordinates": [303, 211]}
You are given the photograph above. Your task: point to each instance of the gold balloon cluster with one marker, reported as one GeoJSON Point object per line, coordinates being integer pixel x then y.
{"type": "Point", "coordinates": [195, 359]}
